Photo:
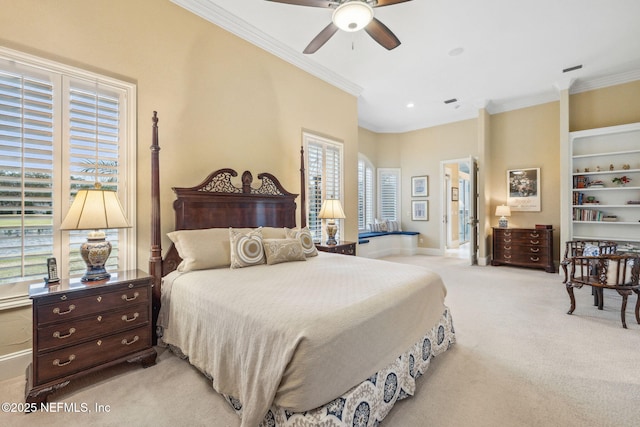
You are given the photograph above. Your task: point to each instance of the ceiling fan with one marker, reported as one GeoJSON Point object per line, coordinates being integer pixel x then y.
{"type": "Point", "coordinates": [351, 15]}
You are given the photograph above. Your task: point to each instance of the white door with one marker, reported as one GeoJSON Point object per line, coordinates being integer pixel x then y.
{"type": "Point", "coordinates": [473, 210]}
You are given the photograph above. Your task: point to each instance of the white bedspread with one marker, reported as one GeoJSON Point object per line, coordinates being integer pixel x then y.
{"type": "Point", "coordinates": [298, 334]}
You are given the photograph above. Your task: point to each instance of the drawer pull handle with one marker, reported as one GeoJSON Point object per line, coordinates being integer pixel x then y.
{"type": "Point", "coordinates": [57, 310]}
{"type": "Point", "coordinates": [130, 285]}
{"type": "Point", "coordinates": [125, 342]}
{"type": "Point", "coordinates": [508, 248]}
{"type": "Point", "coordinates": [534, 242]}
{"type": "Point", "coordinates": [535, 250]}
{"type": "Point", "coordinates": [507, 256]}
{"type": "Point", "coordinates": [57, 334]}
{"type": "Point", "coordinates": [58, 363]}
{"type": "Point", "coordinates": [126, 298]}
{"type": "Point", "coordinates": [535, 259]}
{"type": "Point", "coordinates": [127, 319]}
{"type": "Point", "coordinates": [99, 318]}
{"type": "Point", "coordinates": [507, 240]}
{"type": "Point", "coordinates": [535, 235]}
{"type": "Point", "coordinates": [63, 298]}
{"type": "Point", "coordinates": [99, 299]}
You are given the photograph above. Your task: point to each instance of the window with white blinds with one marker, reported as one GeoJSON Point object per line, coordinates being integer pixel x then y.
{"type": "Point", "coordinates": [324, 178]}
{"type": "Point", "coordinates": [61, 130]}
{"type": "Point", "coordinates": [389, 194]}
{"type": "Point", "coordinates": [365, 193]}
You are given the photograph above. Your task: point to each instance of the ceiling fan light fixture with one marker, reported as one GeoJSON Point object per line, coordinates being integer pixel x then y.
{"type": "Point", "coordinates": [352, 15]}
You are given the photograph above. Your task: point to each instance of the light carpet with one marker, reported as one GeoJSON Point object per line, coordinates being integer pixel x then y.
{"type": "Point", "coordinates": [519, 360]}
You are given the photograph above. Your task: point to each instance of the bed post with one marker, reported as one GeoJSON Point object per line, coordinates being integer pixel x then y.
{"type": "Point", "coordinates": [303, 193]}
{"type": "Point", "coordinates": [155, 259]}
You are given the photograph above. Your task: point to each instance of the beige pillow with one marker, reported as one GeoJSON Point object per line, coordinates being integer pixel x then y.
{"type": "Point", "coordinates": [304, 235]}
{"type": "Point", "coordinates": [202, 249]}
{"type": "Point", "coordinates": [612, 272]}
{"type": "Point", "coordinates": [283, 250]}
{"type": "Point", "coordinates": [246, 248]}
{"type": "Point", "coordinates": [273, 233]}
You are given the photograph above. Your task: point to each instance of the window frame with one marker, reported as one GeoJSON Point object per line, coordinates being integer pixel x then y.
{"type": "Point", "coordinates": [369, 214]}
{"type": "Point", "coordinates": [12, 294]}
{"type": "Point", "coordinates": [309, 138]}
{"type": "Point", "coordinates": [397, 173]}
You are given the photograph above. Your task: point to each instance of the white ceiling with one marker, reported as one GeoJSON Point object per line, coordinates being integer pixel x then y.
{"type": "Point", "coordinates": [514, 52]}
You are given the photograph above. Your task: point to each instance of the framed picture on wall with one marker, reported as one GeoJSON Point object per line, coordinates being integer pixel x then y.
{"type": "Point", "coordinates": [454, 194]}
{"type": "Point", "coordinates": [420, 210]}
{"type": "Point", "coordinates": [419, 186]}
{"type": "Point", "coordinates": [523, 189]}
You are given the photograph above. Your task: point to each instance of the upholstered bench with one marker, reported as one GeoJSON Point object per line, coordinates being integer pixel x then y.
{"type": "Point", "coordinates": [376, 244]}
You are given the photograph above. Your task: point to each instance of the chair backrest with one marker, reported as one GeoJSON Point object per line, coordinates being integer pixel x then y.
{"type": "Point", "coordinates": [606, 270]}
{"type": "Point", "coordinates": [577, 248]}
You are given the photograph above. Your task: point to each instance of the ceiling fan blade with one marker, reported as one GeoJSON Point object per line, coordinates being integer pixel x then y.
{"type": "Point", "coordinates": [311, 3]}
{"type": "Point", "coordinates": [389, 2]}
{"type": "Point", "coordinates": [321, 38]}
{"type": "Point", "coordinates": [383, 35]}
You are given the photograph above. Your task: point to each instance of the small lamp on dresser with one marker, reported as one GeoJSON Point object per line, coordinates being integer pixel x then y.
{"type": "Point", "coordinates": [331, 210]}
{"type": "Point", "coordinates": [96, 210]}
{"type": "Point", "coordinates": [503, 212]}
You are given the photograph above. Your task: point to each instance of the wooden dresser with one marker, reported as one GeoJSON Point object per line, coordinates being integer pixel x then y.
{"type": "Point", "coordinates": [523, 247]}
{"type": "Point", "coordinates": [79, 328]}
{"type": "Point", "coordinates": [343, 247]}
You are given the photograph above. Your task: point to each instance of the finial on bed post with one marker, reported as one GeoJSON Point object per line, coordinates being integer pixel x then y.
{"type": "Point", "coordinates": [303, 192]}
{"type": "Point", "coordinates": [155, 259]}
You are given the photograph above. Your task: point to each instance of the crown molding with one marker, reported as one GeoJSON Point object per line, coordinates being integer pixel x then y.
{"type": "Point", "coordinates": [230, 22]}
{"type": "Point", "coordinates": [586, 85]}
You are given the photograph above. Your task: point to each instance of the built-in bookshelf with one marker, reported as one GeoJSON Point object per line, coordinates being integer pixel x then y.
{"type": "Point", "coordinates": [602, 208]}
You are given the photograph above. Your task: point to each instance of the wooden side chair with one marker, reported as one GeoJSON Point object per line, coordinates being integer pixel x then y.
{"type": "Point", "coordinates": [576, 248]}
{"type": "Point", "coordinates": [619, 272]}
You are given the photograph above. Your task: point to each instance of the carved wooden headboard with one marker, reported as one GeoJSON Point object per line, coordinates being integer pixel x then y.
{"type": "Point", "coordinates": [218, 202]}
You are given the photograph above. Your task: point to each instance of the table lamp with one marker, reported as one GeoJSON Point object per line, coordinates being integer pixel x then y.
{"type": "Point", "coordinates": [96, 210]}
{"type": "Point", "coordinates": [331, 210]}
{"type": "Point", "coordinates": [503, 212]}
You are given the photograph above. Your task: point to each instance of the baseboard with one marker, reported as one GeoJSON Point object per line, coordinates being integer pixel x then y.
{"type": "Point", "coordinates": [14, 364]}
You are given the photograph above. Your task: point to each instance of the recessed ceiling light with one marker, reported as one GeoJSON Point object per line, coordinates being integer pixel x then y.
{"type": "Point", "coordinates": [457, 51]}
{"type": "Point", "coordinates": [411, 105]}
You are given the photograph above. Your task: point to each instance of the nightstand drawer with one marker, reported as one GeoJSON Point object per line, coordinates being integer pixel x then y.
{"type": "Point", "coordinates": [71, 308]}
{"type": "Point", "coordinates": [78, 330]}
{"type": "Point", "coordinates": [69, 360]}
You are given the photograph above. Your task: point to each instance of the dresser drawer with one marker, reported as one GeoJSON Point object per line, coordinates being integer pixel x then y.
{"type": "Point", "coordinates": [78, 330]}
{"type": "Point", "coordinates": [525, 247]}
{"type": "Point", "coordinates": [69, 360]}
{"type": "Point", "coordinates": [71, 308]}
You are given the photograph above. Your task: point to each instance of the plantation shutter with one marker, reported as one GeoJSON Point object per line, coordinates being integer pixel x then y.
{"type": "Point", "coordinates": [324, 178]}
{"type": "Point", "coordinates": [93, 155]}
{"type": "Point", "coordinates": [365, 195]}
{"type": "Point", "coordinates": [389, 194]}
{"type": "Point", "coordinates": [26, 178]}
{"type": "Point", "coordinates": [368, 196]}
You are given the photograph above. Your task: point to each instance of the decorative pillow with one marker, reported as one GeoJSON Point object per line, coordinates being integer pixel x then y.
{"type": "Point", "coordinates": [246, 248]}
{"type": "Point", "coordinates": [283, 250]}
{"type": "Point", "coordinates": [304, 235]}
{"type": "Point", "coordinates": [382, 224]}
{"type": "Point", "coordinates": [612, 272]}
{"type": "Point", "coordinates": [393, 226]}
{"type": "Point", "coordinates": [202, 249]}
{"type": "Point", "coordinates": [590, 250]}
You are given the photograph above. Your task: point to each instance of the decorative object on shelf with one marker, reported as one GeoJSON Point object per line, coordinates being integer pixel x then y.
{"type": "Point", "coordinates": [610, 218]}
{"type": "Point", "coordinates": [454, 194]}
{"type": "Point", "coordinates": [626, 167]}
{"type": "Point", "coordinates": [597, 168]}
{"type": "Point", "coordinates": [622, 180]}
{"type": "Point", "coordinates": [611, 167]}
{"type": "Point", "coordinates": [420, 210]}
{"type": "Point", "coordinates": [523, 189]}
{"type": "Point", "coordinates": [586, 169]}
{"type": "Point", "coordinates": [331, 210]}
{"type": "Point", "coordinates": [503, 212]}
{"type": "Point", "coordinates": [96, 210]}
{"type": "Point", "coordinates": [596, 184]}
{"type": "Point", "coordinates": [420, 186]}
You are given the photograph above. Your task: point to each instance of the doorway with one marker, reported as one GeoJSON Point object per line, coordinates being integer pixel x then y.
{"type": "Point", "coordinates": [459, 224]}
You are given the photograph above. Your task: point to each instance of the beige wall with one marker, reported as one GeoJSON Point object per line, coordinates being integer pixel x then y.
{"type": "Point", "coordinates": [610, 106]}
{"type": "Point", "coordinates": [222, 102]}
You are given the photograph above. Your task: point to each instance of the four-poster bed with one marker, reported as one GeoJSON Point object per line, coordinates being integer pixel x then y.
{"type": "Point", "coordinates": [311, 339]}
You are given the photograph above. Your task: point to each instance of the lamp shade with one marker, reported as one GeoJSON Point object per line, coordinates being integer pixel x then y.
{"type": "Point", "coordinates": [93, 210]}
{"type": "Point", "coordinates": [331, 209]}
{"type": "Point", "coordinates": [503, 210]}
{"type": "Point", "coordinates": [352, 15]}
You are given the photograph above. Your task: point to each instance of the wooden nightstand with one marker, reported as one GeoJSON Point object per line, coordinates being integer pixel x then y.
{"type": "Point", "coordinates": [82, 327]}
{"type": "Point", "coordinates": [343, 247]}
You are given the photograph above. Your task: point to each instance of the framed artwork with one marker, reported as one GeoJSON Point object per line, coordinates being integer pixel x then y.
{"type": "Point", "coordinates": [523, 189]}
{"type": "Point", "coordinates": [420, 210]}
{"type": "Point", "coordinates": [419, 186]}
{"type": "Point", "coordinates": [454, 194]}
